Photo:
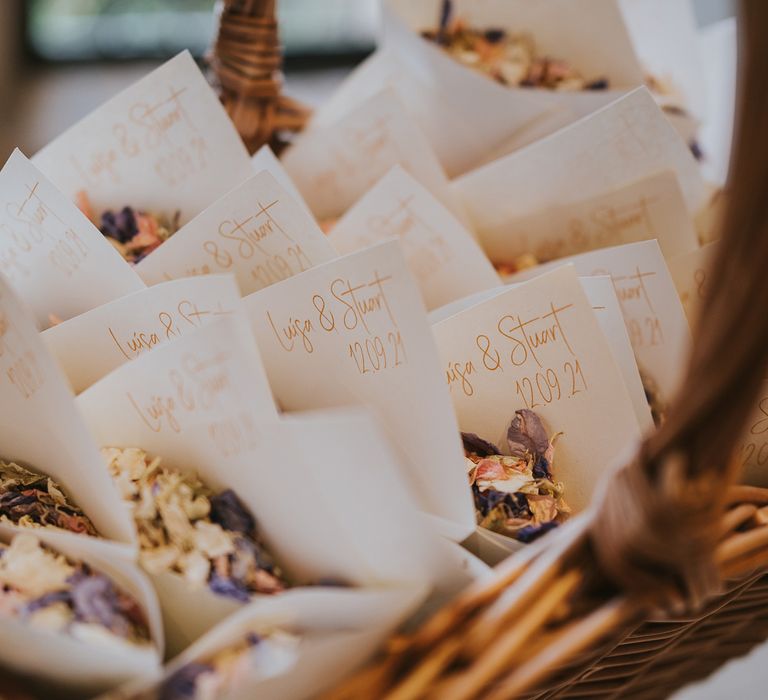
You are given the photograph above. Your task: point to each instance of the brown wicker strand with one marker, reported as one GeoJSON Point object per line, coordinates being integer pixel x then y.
{"type": "Point", "coordinates": [247, 61]}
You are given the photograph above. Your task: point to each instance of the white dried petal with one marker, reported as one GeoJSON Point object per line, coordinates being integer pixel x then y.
{"type": "Point", "coordinates": [212, 539]}
{"type": "Point", "coordinates": [54, 617]}
{"type": "Point", "coordinates": [160, 560]}
{"type": "Point", "coordinates": [55, 493]}
{"type": "Point", "coordinates": [26, 566]}
{"type": "Point", "coordinates": [145, 507]}
{"type": "Point", "coordinates": [177, 525]}
{"type": "Point", "coordinates": [513, 73]}
{"type": "Point", "coordinates": [198, 508]}
{"type": "Point", "coordinates": [196, 568]}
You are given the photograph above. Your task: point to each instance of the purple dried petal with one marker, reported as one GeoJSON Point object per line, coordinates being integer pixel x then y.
{"type": "Point", "coordinates": [126, 221]}
{"type": "Point", "coordinates": [698, 154]}
{"type": "Point", "coordinates": [541, 468]}
{"type": "Point", "coordinates": [183, 683]}
{"type": "Point", "coordinates": [231, 513]}
{"type": "Point", "coordinates": [494, 36]}
{"type": "Point", "coordinates": [95, 600]}
{"type": "Point", "coordinates": [47, 600]}
{"type": "Point", "coordinates": [600, 84]}
{"type": "Point", "coordinates": [529, 533]}
{"type": "Point", "coordinates": [330, 582]}
{"type": "Point", "coordinates": [526, 434]}
{"type": "Point", "coordinates": [121, 226]}
{"type": "Point", "coordinates": [446, 10]}
{"type": "Point", "coordinates": [229, 587]}
{"type": "Point", "coordinates": [252, 639]}
{"type": "Point", "coordinates": [486, 501]}
{"type": "Point", "coordinates": [246, 553]}
{"type": "Point", "coordinates": [475, 444]}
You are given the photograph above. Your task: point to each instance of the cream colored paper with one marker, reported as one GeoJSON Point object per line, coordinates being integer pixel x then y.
{"type": "Point", "coordinates": [628, 140]}
{"type": "Point", "coordinates": [666, 38]}
{"type": "Point", "coordinates": [432, 92]}
{"type": "Point", "coordinates": [164, 144]}
{"type": "Point", "coordinates": [265, 159]}
{"type": "Point", "coordinates": [56, 260]}
{"type": "Point", "coordinates": [539, 346]}
{"type": "Point", "coordinates": [257, 231]}
{"type": "Point", "coordinates": [689, 273]}
{"type": "Point", "coordinates": [180, 385]}
{"type": "Point", "coordinates": [354, 331]}
{"type": "Point", "coordinates": [347, 518]}
{"type": "Point", "coordinates": [40, 428]}
{"type": "Point", "coordinates": [337, 630]}
{"type": "Point", "coordinates": [656, 322]}
{"type": "Point", "coordinates": [85, 667]}
{"type": "Point", "coordinates": [333, 166]}
{"type": "Point", "coordinates": [442, 255]}
{"type": "Point", "coordinates": [605, 304]}
{"type": "Point", "coordinates": [652, 207]}
{"type": "Point", "coordinates": [509, 117]}
{"type": "Point", "coordinates": [719, 53]}
{"type": "Point", "coordinates": [91, 345]}
{"type": "Point", "coordinates": [754, 456]}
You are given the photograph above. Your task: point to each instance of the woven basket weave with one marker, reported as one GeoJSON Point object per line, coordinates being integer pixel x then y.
{"type": "Point", "coordinates": [666, 576]}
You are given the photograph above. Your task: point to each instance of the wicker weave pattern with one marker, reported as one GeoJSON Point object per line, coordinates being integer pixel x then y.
{"type": "Point", "coordinates": [247, 62]}
{"type": "Point", "coordinates": [662, 655]}
{"type": "Point", "coordinates": [550, 627]}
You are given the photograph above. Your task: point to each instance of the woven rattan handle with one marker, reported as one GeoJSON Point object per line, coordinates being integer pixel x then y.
{"type": "Point", "coordinates": [656, 520]}
{"type": "Point", "coordinates": [247, 60]}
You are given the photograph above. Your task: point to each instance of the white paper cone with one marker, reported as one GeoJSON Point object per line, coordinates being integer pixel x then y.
{"type": "Point", "coordinates": [560, 366]}
{"type": "Point", "coordinates": [605, 304]}
{"type": "Point", "coordinates": [257, 231]}
{"type": "Point", "coordinates": [628, 140]}
{"type": "Point", "coordinates": [336, 630]}
{"type": "Point", "coordinates": [54, 258]}
{"type": "Point", "coordinates": [265, 159]}
{"type": "Point", "coordinates": [326, 490]}
{"type": "Point", "coordinates": [666, 38]}
{"type": "Point", "coordinates": [41, 429]}
{"type": "Point", "coordinates": [599, 48]}
{"type": "Point", "coordinates": [718, 44]}
{"type": "Point", "coordinates": [689, 273]}
{"type": "Point", "coordinates": [91, 345]}
{"type": "Point", "coordinates": [164, 144]}
{"type": "Point", "coordinates": [78, 665]}
{"type": "Point", "coordinates": [652, 207]}
{"type": "Point", "coordinates": [333, 166]}
{"type": "Point", "coordinates": [443, 256]}
{"type": "Point", "coordinates": [323, 349]}
{"type": "Point", "coordinates": [652, 311]}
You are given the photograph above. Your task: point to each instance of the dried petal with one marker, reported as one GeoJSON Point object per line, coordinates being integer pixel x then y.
{"type": "Point", "coordinates": [526, 434]}
{"type": "Point", "coordinates": [476, 445]}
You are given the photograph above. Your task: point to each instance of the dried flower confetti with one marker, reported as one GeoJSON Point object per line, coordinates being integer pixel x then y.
{"type": "Point", "coordinates": [47, 590]}
{"type": "Point", "coordinates": [34, 500]}
{"type": "Point", "coordinates": [509, 58]}
{"type": "Point", "coordinates": [183, 526]}
{"type": "Point", "coordinates": [135, 234]}
{"type": "Point", "coordinates": [515, 494]}
{"type": "Point", "coordinates": [257, 655]}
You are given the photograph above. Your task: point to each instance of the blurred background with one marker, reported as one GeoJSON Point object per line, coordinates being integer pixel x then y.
{"type": "Point", "coordinates": [61, 58]}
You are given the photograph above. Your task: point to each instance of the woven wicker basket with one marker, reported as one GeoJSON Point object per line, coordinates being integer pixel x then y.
{"type": "Point", "coordinates": [666, 577]}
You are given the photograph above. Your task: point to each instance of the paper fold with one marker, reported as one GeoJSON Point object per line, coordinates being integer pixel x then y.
{"type": "Point", "coordinates": [54, 258]}
{"type": "Point", "coordinates": [40, 427]}
{"type": "Point", "coordinates": [91, 345]}
{"type": "Point", "coordinates": [354, 331]}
